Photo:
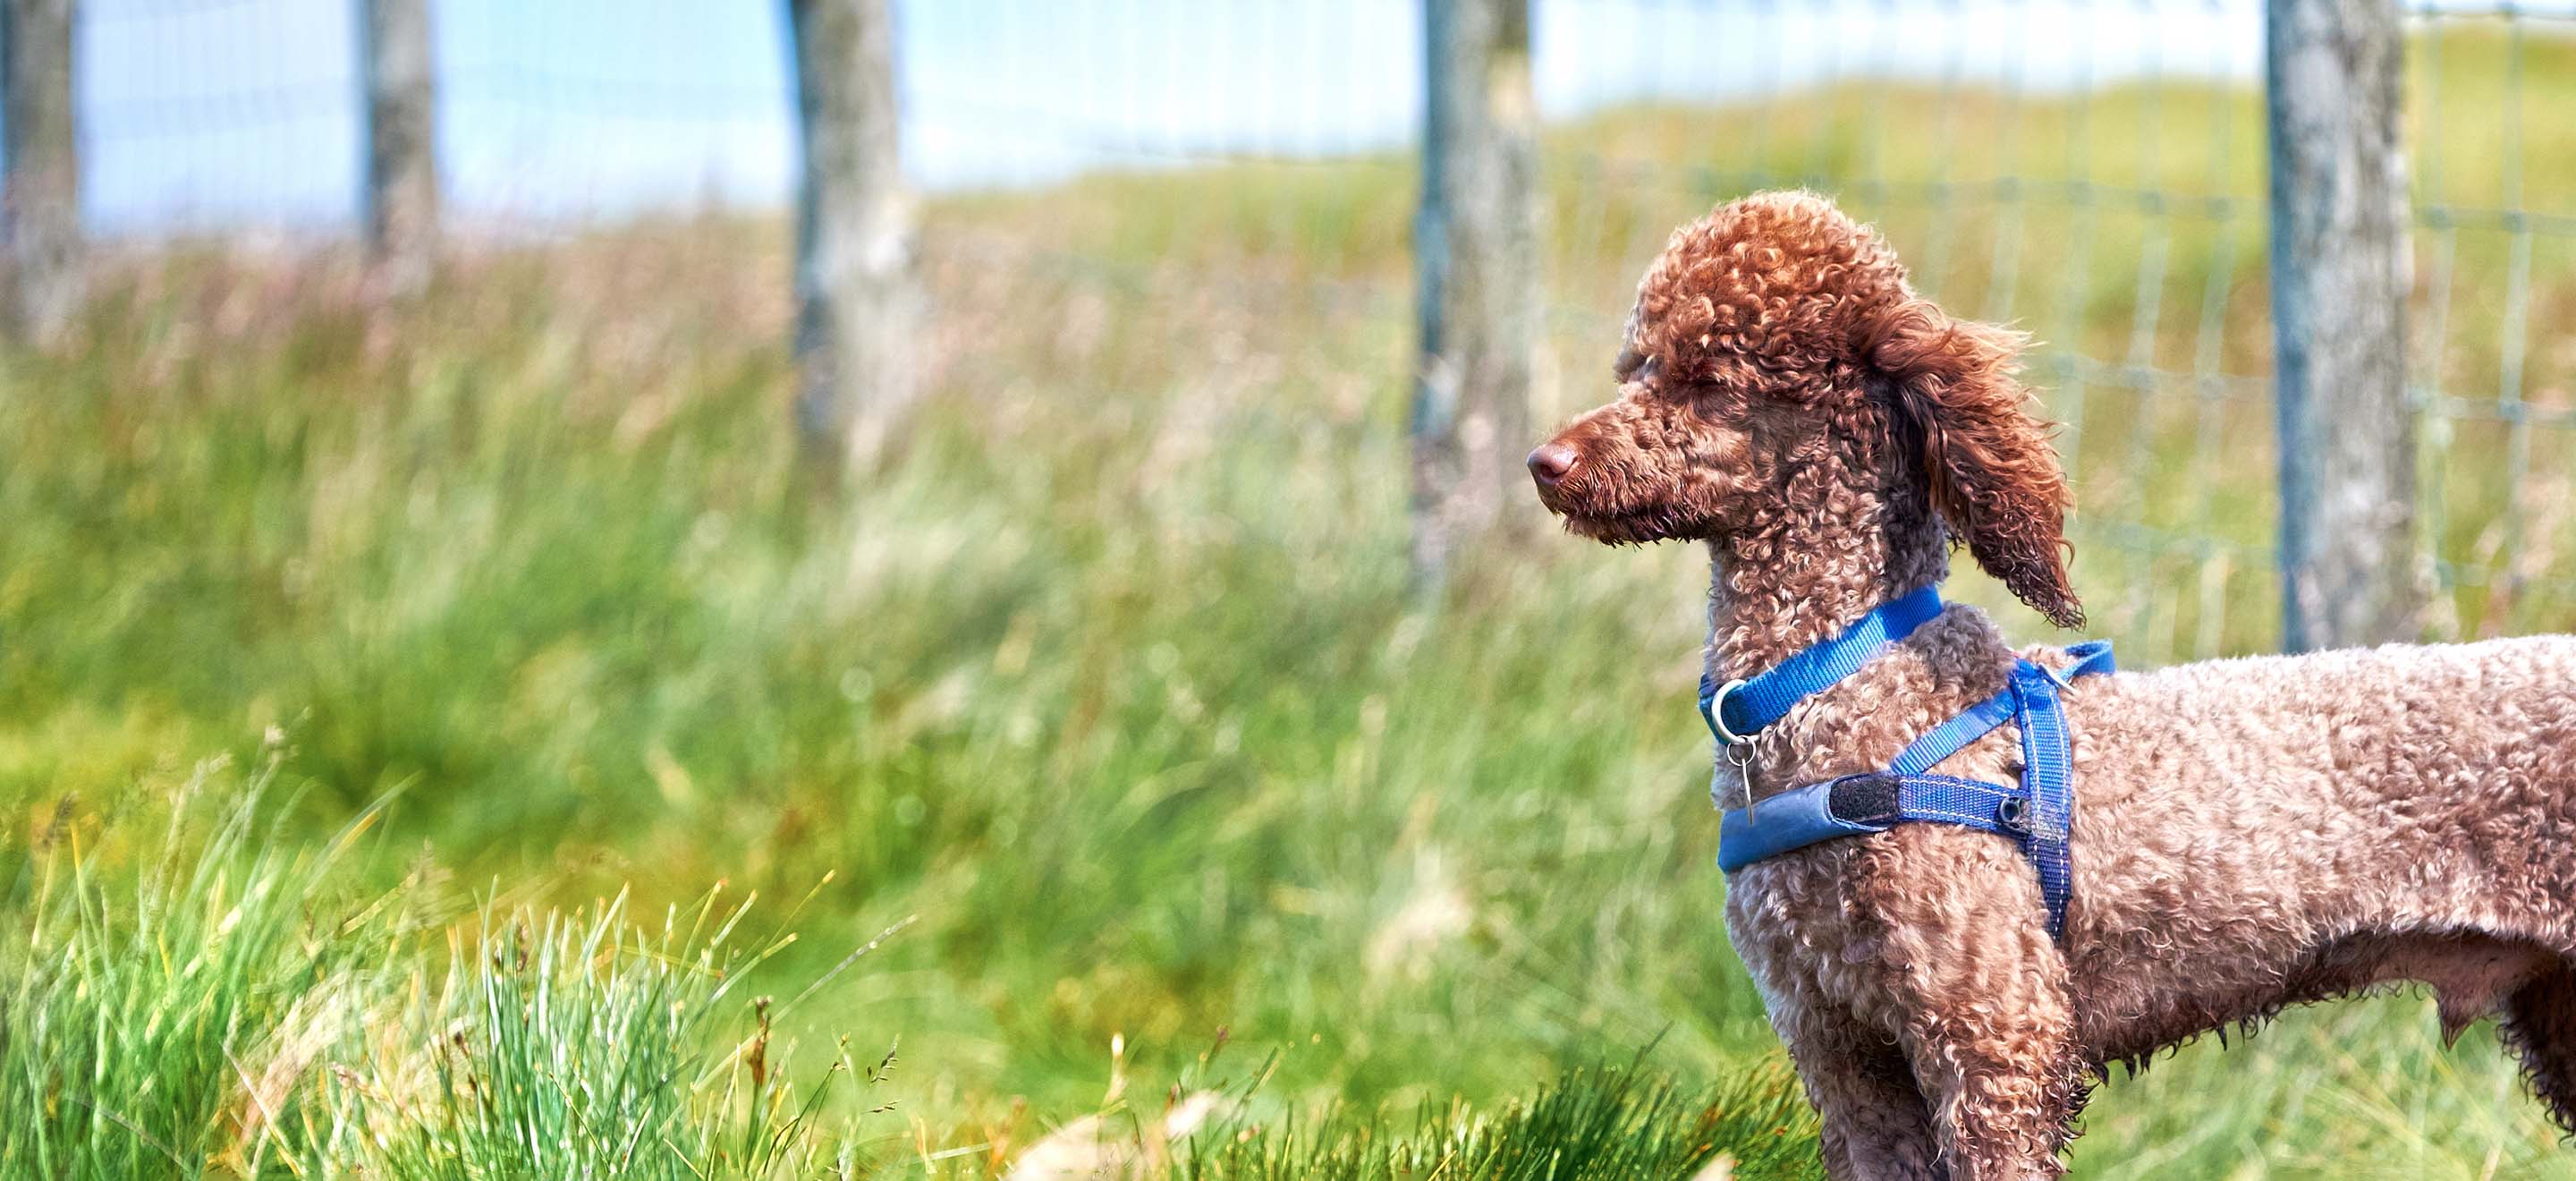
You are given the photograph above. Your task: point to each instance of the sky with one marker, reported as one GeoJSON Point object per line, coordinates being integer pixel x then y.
{"type": "Point", "coordinates": [223, 113]}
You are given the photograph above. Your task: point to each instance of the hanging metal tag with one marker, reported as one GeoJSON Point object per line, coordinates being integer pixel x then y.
{"type": "Point", "coordinates": [1734, 771]}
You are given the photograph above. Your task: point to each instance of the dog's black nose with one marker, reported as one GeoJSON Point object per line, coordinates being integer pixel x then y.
{"type": "Point", "coordinates": [1550, 463]}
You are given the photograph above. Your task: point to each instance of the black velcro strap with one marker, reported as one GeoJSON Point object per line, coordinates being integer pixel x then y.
{"type": "Point", "coordinates": [1870, 799]}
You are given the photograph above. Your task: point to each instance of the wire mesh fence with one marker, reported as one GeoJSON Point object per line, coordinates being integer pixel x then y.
{"type": "Point", "coordinates": [2493, 256]}
{"type": "Point", "coordinates": [2095, 175]}
{"type": "Point", "coordinates": [2092, 172]}
{"type": "Point", "coordinates": [2092, 175]}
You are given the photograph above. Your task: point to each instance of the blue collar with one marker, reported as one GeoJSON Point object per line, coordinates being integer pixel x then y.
{"type": "Point", "coordinates": [1741, 709]}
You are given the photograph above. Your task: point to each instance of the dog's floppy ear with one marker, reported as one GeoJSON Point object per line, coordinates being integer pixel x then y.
{"type": "Point", "coordinates": [1994, 477]}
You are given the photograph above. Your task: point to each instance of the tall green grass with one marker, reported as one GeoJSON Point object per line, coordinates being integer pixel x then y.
{"type": "Point", "coordinates": [1593, 1123]}
{"type": "Point", "coordinates": [156, 1021]}
{"type": "Point", "coordinates": [215, 1005]}
{"type": "Point", "coordinates": [227, 1002]}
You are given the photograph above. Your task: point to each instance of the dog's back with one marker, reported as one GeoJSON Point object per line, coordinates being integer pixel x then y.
{"type": "Point", "coordinates": [2263, 831]}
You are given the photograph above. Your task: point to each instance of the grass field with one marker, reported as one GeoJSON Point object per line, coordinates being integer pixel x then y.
{"type": "Point", "coordinates": [398, 704]}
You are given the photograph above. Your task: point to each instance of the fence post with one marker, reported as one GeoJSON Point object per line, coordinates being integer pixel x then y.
{"type": "Point", "coordinates": [2339, 277]}
{"type": "Point", "coordinates": [1476, 266]}
{"type": "Point", "coordinates": [858, 312]}
{"type": "Point", "coordinates": [40, 212]}
{"type": "Point", "coordinates": [397, 60]}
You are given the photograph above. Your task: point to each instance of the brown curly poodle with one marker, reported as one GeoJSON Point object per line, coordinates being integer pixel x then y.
{"type": "Point", "coordinates": [2248, 834]}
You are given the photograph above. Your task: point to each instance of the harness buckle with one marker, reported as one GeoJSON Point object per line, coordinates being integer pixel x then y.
{"type": "Point", "coordinates": [2013, 812]}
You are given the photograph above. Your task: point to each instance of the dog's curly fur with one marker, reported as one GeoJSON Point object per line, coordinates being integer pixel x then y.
{"type": "Point", "coordinates": [2249, 834]}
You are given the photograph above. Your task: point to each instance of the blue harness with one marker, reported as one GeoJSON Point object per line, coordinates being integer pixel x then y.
{"type": "Point", "coordinates": [2038, 812]}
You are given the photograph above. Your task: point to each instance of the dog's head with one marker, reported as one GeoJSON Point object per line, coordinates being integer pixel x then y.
{"type": "Point", "coordinates": [1775, 335]}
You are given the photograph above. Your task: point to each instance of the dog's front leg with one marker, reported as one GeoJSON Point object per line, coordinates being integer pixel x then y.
{"type": "Point", "coordinates": [1990, 1037]}
{"type": "Point", "coordinates": [2001, 1094]}
{"type": "Point", "coordinates": [1924, 1002]}
{"type": "Point", "coordinates": [1875, 1122]}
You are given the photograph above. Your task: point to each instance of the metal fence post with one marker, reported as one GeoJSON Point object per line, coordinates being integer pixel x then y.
{"type": "Point", "coordinates": [858, 311]}
{"type": "Point", "coordinates": [397, 60]}
{"type": "Point", "coordinates": [40, 213]}
{"type": "Point", "coordinates": [2339, 276]}
{"type": "Point", "coordinates": [1476, 263]}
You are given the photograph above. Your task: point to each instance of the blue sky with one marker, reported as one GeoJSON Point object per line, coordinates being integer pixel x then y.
{"type": "Point", "coordinates": [245, 112]}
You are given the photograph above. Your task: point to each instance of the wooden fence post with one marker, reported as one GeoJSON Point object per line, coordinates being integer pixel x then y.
{"type": "Point", "coordinates": [1476, 266]}
{"type": "Point", "coordinates": [2339, 277]}
{"type": "Point", "coordinates": [859, 314]}
{"type": "Point", "coordinates": [398, 62]}
{"type": "Point", "coordinates": [40, 213]}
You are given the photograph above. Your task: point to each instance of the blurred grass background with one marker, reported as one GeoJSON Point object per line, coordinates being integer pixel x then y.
{"type": "Point", "coordinates": [1107, 680]}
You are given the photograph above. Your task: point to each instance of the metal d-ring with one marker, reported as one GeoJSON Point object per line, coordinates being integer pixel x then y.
{"type": "Point", "coordinates": [1717, 720]}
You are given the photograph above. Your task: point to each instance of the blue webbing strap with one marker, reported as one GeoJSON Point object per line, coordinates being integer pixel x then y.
{"type": "Point", "coordinates": [1747, 706]}
{"type": "Point", "coordinates": [2049, 779]}
{"type": "Point", "coordinates": [2038, 812]}
{"type": "Point", "coordinates": [2091, 656]}
{"type": "Point", "coordinates": [2048, 773]}
{"type": "Point", "coordinates": [1950, 737]}
{"type": "Point", "coordinates": [1857, 805]}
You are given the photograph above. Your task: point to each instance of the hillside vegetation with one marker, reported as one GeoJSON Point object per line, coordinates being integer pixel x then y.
{"type": "Point", "coordinates": [396, 700]}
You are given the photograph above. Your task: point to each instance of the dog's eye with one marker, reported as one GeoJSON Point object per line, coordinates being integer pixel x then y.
{"type": "Point", "coordinates": [1712, 402]}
